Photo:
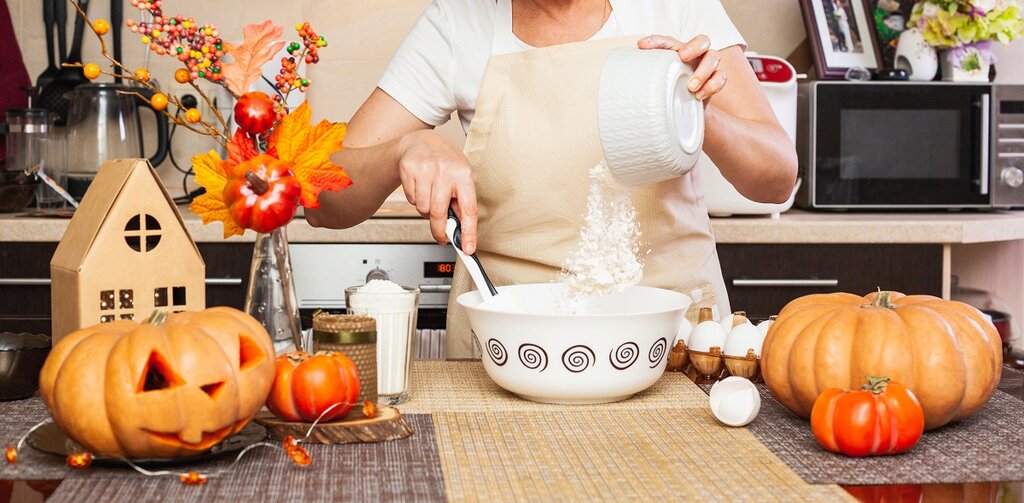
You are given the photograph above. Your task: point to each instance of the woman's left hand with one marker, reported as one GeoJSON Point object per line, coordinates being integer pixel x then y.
{"type": "Point", "coordinates": [707, 80]}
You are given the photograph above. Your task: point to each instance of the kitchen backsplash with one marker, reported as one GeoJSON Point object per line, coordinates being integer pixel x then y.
{"type": "Point", "coordinates": [362, 36]}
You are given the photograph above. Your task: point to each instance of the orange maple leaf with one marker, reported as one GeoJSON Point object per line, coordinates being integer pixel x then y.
{"type": "Point", "coordinates": [262, 42]}
{"type": "Point", "coordinates": [308, 149]}
{"type": "Point", "coordinates": [211, 173]}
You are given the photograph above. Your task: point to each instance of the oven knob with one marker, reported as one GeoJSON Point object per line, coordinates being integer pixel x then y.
{"type": "Point", "coordinates": [377, 273]}
{"type": "Point", "coordinates": [1013, 177]}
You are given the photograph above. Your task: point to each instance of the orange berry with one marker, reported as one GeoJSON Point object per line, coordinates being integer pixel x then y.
{"type": "Point", "coordinates": [182, 76]}
{"type": "Point", "coordinates": [91, 71]}
{"type": "Point", "coordinates": [159, 101]}
{"type": "Point", "coordinates": [192, 115]}
{"type": "Point", "coordinates": [101, 26]}
{"type": "Point", "coordinates": [142, 74]}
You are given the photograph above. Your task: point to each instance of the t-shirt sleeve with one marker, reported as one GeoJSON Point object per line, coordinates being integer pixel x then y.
{"type": "Point", "coordinates": [708, 17]}
{"type": "Point", "coordinates": [420, 72]}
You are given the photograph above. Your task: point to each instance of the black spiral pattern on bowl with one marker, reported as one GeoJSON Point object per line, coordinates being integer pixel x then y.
{"type": "Point", "coordinates": [578, 358]}
{"type": "Point", "coordinates": [657, 352]}
{"type": "Point", "coordinates": [533, 357]}
{"type": "Point", "coordinates": [497, 352]}
{"type": "Point", "coordinates": [624, 356]}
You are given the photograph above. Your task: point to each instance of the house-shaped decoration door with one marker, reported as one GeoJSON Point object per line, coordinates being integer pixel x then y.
{"type": "Point", "coordinates": [125, 253]}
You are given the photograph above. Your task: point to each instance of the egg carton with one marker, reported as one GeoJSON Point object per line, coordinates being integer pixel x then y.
{"type": "Point", "coordinates": [712, 349]}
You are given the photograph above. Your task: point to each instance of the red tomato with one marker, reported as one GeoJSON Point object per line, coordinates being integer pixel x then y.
{"type": "Point", "coordinates": [883, 418]}
{"type": "Point", "coordinates": [262, 193]}
{"type": "Point", "coordinates": [306, 386]}
{"type": "Point", "coordinates": [255, 113]}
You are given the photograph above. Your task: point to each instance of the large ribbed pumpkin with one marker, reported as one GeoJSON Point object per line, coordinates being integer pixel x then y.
{"type": "Point", "coordinates": [946, 352]}
{"type": "Point", "coordinates": [173, 386]}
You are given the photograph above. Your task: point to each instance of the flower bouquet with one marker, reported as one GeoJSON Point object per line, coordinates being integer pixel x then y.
{"type": "Point", "coordinates": [964, 30]}
{"type": "Point", "coordinates": [276, 160]}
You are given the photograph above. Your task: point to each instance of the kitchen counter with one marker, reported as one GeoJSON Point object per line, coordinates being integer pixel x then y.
{"type": "Point", "coordinates": [397, 222]}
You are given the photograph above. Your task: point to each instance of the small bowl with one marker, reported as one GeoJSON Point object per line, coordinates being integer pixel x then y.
{"type": "Point", "coordinates": [16, 191]}
{"type": "Point", "coordinates": [618, 348]}
{"type": "Point", "coordinates": [21, 359]}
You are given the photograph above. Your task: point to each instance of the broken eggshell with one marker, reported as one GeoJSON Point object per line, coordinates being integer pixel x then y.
{"type": "Point", "coordinates": [734, 401]}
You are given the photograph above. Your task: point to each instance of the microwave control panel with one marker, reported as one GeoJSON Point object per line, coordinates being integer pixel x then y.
{"type": "Point", "coordinates": [1007, 159]}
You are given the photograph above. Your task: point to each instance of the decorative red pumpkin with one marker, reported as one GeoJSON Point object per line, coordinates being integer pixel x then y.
{"type": "Point", "coordinates": [308, 386]}
{"type": "Point", "coordinates": [882, 418]}
{"type": "Point", "coordinates": [947, 353]}
{"type": "Point", "coordinates": [173, 386]}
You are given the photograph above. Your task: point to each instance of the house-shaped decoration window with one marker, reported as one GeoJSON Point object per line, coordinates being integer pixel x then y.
{"type": "Point", "coordinates": [125, 252]}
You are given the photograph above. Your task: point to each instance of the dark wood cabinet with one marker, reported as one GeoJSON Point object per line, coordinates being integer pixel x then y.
{"type": "Point", "coordinates": [25, 281]}
{"type": "Point", "coordinates": [762, 278]}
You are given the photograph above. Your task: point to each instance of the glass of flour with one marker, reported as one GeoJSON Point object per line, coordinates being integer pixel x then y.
{"type": "Point", "coordinates": [394, 307]}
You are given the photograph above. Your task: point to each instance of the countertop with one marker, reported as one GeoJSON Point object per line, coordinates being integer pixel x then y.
{"type": "Point", "coordinates": [397, 222]}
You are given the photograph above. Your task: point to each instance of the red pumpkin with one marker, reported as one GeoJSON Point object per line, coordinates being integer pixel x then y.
{"type": "Point", "coordinates": [255, 113]}
{"type": "Point", "coordinates": [262, 193]}
{"type": "Point", "coordinates": [883, 418]}
{"type": "Point", "coordinates": [307, 386]}
{"type": "Point", "coordinates": [173, 386]}
{"type": "Point", "coordinates": [946, 352]}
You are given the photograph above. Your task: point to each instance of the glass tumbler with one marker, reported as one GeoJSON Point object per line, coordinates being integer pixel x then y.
{"type": "Point", "coordinates": [53, 163]}
{"type": "Point", "coordinates": [395, 314]}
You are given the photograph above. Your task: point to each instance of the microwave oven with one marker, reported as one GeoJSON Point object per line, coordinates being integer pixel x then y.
{"type": "Point", "coordinates": [910, 145]}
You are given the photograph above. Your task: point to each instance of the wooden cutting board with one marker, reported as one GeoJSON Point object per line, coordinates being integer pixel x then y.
{"type": "Point", "coordinates": [388, 424]}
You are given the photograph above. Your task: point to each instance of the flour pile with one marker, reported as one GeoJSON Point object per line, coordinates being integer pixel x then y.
{"type": "Point", "coordinates": [607, 257]}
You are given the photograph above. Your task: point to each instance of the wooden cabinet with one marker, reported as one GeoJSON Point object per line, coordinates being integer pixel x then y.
{"type": "Point", "coordinates": [762, 278]}
{"type": "Point", "coordinates": [25, 281]}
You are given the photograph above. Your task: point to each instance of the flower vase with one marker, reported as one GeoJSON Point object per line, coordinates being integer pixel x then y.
{"type": "Point", "coordinates": [916, 56]}
{"type": "Point", "coordinates": [271, 296]}
{"type": "Point", "coordinates": [967, 63]}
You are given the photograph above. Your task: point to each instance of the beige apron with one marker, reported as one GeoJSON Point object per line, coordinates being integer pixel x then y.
{"type": "Point", "coordinates": [531, 144]}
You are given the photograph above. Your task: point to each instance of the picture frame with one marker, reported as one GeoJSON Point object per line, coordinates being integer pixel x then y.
{"type": "Point", "coordinates": [891, 17]}
{"type": "Point", "coordinates": [842, 34]}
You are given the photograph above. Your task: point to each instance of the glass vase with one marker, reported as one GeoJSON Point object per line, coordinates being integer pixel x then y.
{"type": "Point", "coordinates": [271, 296]}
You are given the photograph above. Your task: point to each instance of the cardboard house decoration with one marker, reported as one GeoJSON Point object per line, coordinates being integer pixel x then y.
{"type": "Point", "coordinates": [125, 253]}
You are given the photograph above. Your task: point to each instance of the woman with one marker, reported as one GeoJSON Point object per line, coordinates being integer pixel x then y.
{"type": "Point", "coordinates": [522, 75]}
{"type": "Point", "coordinates": [843, 21]}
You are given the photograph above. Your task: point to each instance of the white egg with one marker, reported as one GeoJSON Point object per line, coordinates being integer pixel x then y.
{"type": "Point", "coordinates": [765, 325]}
{"type": "Point", "coordinates": [735, 401]}
{"type": "Point", "coordinates": [729, 320]}
{"type": "Point", "coordinates": [741, 338]}
{"type": "Point", "coordinates": [685, 329]}
{"type": "Point", "coordinates": [706, 335]}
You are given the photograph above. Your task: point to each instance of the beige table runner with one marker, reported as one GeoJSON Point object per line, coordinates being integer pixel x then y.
{"type": "Point", "coordinates": [660, 445]}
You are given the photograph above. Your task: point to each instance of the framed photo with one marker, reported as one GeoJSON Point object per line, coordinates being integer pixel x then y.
{"type": "Point", "coordinates": [842, 35]}
{"type": "Point", "coordinates": [891, 18]}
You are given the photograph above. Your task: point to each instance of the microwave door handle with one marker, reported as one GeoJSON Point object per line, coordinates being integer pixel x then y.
{"type": "Point", "coordinates": [983, 181]}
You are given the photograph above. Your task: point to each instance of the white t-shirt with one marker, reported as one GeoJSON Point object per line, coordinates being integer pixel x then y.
{"type": "Point", "coordinates": [440, 65]}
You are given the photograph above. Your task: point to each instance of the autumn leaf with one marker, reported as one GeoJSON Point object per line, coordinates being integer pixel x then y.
{"type": "Point", "coordinates": [308, 150]}
{"type": "Point", "coordinates": [262, 42]}
{"type": "Point", "coordinates": [241, 148]}
{"type": "Point", "coordinates": [211, 174]}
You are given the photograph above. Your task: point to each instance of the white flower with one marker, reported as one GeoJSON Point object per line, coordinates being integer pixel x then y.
{"type": "Point", "coordinates": [985, 5]}
{"type": "Point", "coordinates": [930, 10]}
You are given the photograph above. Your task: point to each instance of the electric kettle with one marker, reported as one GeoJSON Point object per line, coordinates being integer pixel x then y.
{"type": "Point", "coordinates": [104, 123]}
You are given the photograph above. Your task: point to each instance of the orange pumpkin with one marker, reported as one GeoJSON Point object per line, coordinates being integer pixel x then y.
{"type": "Point", "coordinates": [947, 353]}
{"type": "Point", "coordinates": [173, 386]}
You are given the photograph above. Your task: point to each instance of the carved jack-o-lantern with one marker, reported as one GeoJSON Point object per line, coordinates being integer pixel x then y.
{"type": "Point", "coordinates": [171, 387]}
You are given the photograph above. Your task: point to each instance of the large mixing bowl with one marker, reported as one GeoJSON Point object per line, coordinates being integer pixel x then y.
{"type": "Point", "coordinates": [535, 352]}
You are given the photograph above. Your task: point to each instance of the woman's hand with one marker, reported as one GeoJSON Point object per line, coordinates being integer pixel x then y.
{"type": "Point", "coordinates": [436, 174]}
{"type": "Point", "coordinates": [707, 80]}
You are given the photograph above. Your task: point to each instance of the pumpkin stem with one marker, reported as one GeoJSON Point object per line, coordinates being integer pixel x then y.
{"type": "Point", "coordinates": [259, 185]}
{"type": "Point", "coordinates": [157, 317]}
{"type": "Point", "coordinates": [883, 299]}
{"type": "Point", "coordinates": [876, 385]}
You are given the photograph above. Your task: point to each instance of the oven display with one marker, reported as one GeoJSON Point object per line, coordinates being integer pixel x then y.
{"type": "Point", "coordinates": [1011, 107]}
{"type": "Point", "coordinates": [438, 269]}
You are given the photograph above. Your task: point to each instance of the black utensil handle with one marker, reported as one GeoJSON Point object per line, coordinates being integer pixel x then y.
{"type": "Point", "coordinates": [48, 23]}
{"type": "Point", "coordinates": [457, 241]}
{"type": "Point", "coordinates": [116, 24]}
{"type": "Point", "coordinates": [162, 141]}
{"type": "Point", "coordinates": [60, 17]}
{"type": "Point", "coordinates": [75, 56]}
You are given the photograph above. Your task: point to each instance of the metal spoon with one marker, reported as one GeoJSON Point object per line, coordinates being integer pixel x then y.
{"type": "Point", "coordinates": [453, 229]}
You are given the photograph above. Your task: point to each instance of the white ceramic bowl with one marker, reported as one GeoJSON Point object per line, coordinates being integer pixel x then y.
{"type": "Point", "coordinates": [538, 354]}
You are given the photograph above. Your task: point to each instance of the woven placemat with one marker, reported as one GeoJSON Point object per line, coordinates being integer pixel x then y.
{"type": "Point", "coordinates": [987, 446]}
{"type": "Point", "coordinates": [463, 386]}
{"type": "Point", "coordinates": [611, 455]}
{"type": "Point", "coordinates": [16, 418]}
{"type": "Point", "coordinates": [402, 470]}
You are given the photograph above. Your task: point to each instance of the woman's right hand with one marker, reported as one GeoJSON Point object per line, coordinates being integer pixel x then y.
{"type": "Point", "coordinates": [434, 175]}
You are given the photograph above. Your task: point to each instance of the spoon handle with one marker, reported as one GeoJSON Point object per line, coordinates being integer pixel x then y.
{"type": "Point", "coordinates": [476, 270]}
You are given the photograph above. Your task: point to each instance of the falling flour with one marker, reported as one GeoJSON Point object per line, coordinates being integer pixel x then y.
{"type": "Point", "coordinates": [607, 257]}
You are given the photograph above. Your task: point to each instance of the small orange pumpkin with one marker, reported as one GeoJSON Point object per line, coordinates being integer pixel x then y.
{"type": "Point", "coordinates": [947, 353]}
{"type": "Point", "coordinates": [173, 386]}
